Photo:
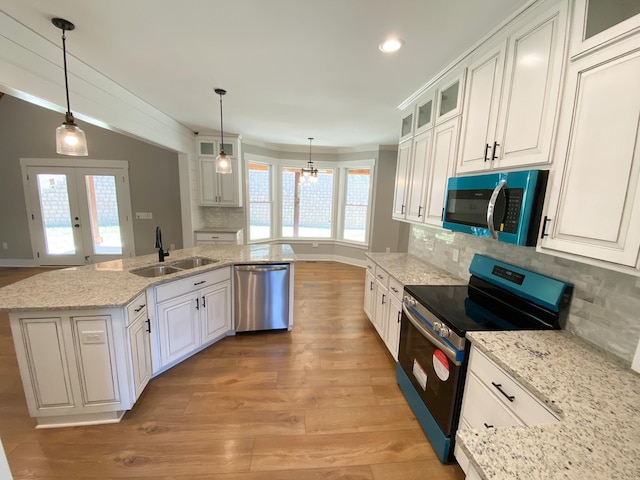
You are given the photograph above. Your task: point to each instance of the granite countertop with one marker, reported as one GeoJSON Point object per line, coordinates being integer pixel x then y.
{"type": "Point", "coordinates": [110, 284]}
{"type": "Point", "coordinates": [410, 270]}
{"type": "Point", "coordinates": [595, 394]}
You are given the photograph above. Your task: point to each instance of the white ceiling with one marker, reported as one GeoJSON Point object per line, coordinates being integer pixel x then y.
{"type": "Point", "coordinates": [292, 68]}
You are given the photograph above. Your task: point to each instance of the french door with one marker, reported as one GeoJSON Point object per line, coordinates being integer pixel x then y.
{"type": "Point", "coordinates": [78, 214]}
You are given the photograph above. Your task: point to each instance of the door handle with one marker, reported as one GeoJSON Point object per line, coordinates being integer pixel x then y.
{"type": "Point", "coordinates": [197, 304]}
{"type": "Point", "coordinates": [148, 322]}
{"type": "Point", "coordinates": [495, 147]}
{"type": "Point", "coordinates": [486, 151]}
{"type": "Point", "coordinates": [203, 304]}
{"type": "Point", "coordinates": [492, 205]}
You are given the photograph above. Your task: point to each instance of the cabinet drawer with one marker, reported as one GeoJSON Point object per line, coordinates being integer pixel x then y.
{"type": "Point", "coordinates": [395, 288]}
{"type": "Point", "coordinates": [382, 276]}
{"type": "Point", "coordinates": [216, 237]}
{"type": "Point", "coordinates": [137, 308]}
{"type": "Point", "coordinates": [371, 266]}
{"type": "Point", "coordinates": [481, 409]}
{"type": "Point", "coordinates": [191, 284]}
{"type": "Point", "coordinates": [508, 391]}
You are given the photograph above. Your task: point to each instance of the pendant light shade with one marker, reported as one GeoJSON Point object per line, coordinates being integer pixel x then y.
{"type": "Point", "coordinates": [70, 139]}
{"type": "Point", "coordinates": [309, 173]}
{"type": "Point", "coordinates": [223, 162]}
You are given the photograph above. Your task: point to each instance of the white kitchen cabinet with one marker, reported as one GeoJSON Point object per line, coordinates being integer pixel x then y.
{"type": "Point", "coordinates": [449, 96]}
{"type": "Point", "coordinates": [441, 166]}
{"type": "Point", "coordinates": [424, 111]}
{"type": "Point", "coordinates": [493, 399]}
{"type": "Point", "coordinates": [212, 237]}
{"type": "Point", "coordinates": [140, 351]}
{"type": "Point", "coordinates": [402, 179]}
{"type": "Point", "coordinates": [74, 365]}
{"type": "Point", "coordinates": [383, 305]}
{"type": "Point", "coordinates": [417, 179]}
{"type": "Point", "coordinates": [593, 205]}
{"type": "Point", "coordinates": [215, 311]}
{"type": "Point", "coordinates": [407, 127]}
{"type": "Point", "coordinates": [216, 189]}
{"type": "Point", "coordinates": [190, 314]}
{"type": "Point", "coordinates": [510, 109]}
{"type": "Point", "coordinates": [369, 290]}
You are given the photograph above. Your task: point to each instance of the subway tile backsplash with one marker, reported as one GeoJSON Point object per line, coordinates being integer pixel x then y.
{"type": "Point", "coordinates": [222, 217]}
{"type": "Point", "coordinates": [605, 309]}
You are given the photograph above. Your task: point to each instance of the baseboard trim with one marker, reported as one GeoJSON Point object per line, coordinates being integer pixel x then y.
{"type": "Point", "coordinates": [17, 262]}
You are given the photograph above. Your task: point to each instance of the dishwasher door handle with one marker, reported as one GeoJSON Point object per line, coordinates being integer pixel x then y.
{"type": "Point", "coordinates": [261, 269]}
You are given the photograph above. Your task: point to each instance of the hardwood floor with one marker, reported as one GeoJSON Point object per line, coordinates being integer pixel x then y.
{"type": "Point", "coordinates": [317, 403]}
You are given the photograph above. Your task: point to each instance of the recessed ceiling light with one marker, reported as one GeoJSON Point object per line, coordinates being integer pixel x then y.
{"type": "Point", "coordinates": [391, 45]}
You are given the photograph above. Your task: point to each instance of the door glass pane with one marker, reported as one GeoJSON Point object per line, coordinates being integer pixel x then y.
{"type": "Point", "coordinates": [307, 207]}
{"type": "Point", "coordinates": [56, 214]}
{"type": "Point", "coordinates": [603, 14]}
{"type": "Point", "coordinates": [259, 201]}
{"type": "Point", "coordinates": [424, 114]}
{"type": "Point", "coordinates": [356, 207]}
{"type": "Point", "coordinates": [103, 214]}
{"type": "Point", "coordinates": [449, 99]}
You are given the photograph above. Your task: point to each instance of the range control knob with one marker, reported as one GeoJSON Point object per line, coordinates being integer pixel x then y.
{"type": "Point", "coordinates": [437, 326]}
{"type": "Point", "coordinates": [444, 331]}
{"type": "Point", "coordinates": [410, 301]}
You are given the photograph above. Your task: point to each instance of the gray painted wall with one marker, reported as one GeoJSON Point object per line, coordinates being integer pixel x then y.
{"type": "Point", "coordinates": [28, 131]}
{"type": "Point", "coordinates": [605, 308]}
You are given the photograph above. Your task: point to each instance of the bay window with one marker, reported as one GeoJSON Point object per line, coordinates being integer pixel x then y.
{"type": "Point", "coordinates": [307, 207]}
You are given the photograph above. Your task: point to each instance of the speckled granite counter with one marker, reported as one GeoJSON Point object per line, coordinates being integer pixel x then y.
{"type": "Point", "coordinates": [110, 284]}
{"type": "Point", "coordinates": [410, 270]}
{"type": "Point", "coordinates": [595, 394]}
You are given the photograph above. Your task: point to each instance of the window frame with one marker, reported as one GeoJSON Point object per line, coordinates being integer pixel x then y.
{"type": "Point", "coordinates": [340, 172]}
{"type": "Point", "coordinates": [257, 160]}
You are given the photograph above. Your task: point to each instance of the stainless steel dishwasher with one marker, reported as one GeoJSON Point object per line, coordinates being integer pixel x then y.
{"type": "Point", "coordinates": [261, 297]}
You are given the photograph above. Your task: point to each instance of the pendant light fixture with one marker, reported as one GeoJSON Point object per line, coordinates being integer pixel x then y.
{"type": "Point", "coordinates": [309, 173]}
{"type": "Point", "coordinates": [223, 163]}
{"type": "Point", "coordinates": [70, 139]}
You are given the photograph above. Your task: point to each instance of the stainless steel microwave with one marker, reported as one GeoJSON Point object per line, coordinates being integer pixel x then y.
{"type": "Point", "coordinates": [506, 206]}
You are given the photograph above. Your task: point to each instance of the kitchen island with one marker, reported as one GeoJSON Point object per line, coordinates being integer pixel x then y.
{"type": "Point", "coordinates": [88, 339]}
{"type": "Point", "coordinates": [594, 394]}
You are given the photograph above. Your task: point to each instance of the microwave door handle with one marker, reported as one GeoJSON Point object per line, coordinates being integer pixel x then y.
{"type": "Point", "coordinates": [492, 206]}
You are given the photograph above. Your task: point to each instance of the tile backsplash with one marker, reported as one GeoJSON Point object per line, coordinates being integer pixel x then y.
{"type": "Point", "coordinates": [222, 217]}
{"type": "Point", "coordinates": [605, 308]}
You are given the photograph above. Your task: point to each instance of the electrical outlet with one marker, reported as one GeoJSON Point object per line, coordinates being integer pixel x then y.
{"type": "Point", "coordinates": [387, 250]}
{"type": "Point", "coordinates": [314, 244]}
{"type": "Point", "coordinates": [5, 245]}
{"type": "Point", "coordinates": [172, 246]}
{"type": "Point", "coordinates": [149, 215]}
{"type": "Point", "coordinates": [455, 254]}
{"type": "Point", "coordinates": [430, 244]}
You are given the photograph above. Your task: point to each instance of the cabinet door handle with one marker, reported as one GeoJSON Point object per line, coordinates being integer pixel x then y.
{"type": "Point", "coordinates": [511, 398]}
{"type": "Point", "coordinates": [199, 283]}
{"type": "Point", "coordinates": [394, 289]}
{"type": "Point", "coordinates": [487, 425]}
{"type": "Point", "coordinates": [380, 277]}
{"type": "Point", "coordinates": [203, 304]}
{"type": "Point", "coordinates": [486, 152]}
{"type": "Point", "coordinates": [419, 210]}
{"type": "Point", "coordinates": [402, 210]}
{"type": "Point", "coordinates": [383, 295]}
{"type": "Point", "coordinates": [139, 308]}
{"type": "Point", "coordinates": [148, 322]}
{"type": "Point", "coordinates": [495, 148]}
{"type": "Point", "coordinates": [399, 315]}
{"type": "Point", "coordinates": [197, 304]}
{"type": "Point", "coordinates": [371, 288]}
{"type": "Point", "coordinates": [544, 227]}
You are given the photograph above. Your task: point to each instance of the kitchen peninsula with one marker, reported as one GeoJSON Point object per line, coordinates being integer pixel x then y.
{"type": "Point", "coordinates": [89, 338]}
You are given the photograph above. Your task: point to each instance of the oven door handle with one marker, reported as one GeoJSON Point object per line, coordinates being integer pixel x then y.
{"type": "Point", "coordinates": [448, 350]}
{"type": "Point", "coordinates": [492, 206]}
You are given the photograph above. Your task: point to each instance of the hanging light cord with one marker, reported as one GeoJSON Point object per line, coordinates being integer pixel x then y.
{"type": "Point", "coordinates": [66, 81]}
{"type": "Point", "coordinates": [221, 128]}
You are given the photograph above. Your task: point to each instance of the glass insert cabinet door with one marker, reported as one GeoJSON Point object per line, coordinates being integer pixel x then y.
{"type": "Point", "coordinates": [78, 216]}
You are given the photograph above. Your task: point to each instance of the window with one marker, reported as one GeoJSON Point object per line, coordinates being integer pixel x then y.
{"type": "Point", "coordinates": [260, 202]}
{"type": "Point", "coordinates": [307, 208]}
{"type": "Point", "coordinates": [356, 204]}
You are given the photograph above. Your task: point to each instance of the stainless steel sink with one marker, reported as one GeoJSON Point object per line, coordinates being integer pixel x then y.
{"type": "Point", "coordinates": [155, 271]}
{"type": "Point", "coordinates": [193, 262]}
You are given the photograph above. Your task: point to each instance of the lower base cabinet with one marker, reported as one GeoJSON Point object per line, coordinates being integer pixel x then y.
{"type": "Point", "coordinates": [189, 314]}
{"type": "Point", "coordinates": [493, 399]}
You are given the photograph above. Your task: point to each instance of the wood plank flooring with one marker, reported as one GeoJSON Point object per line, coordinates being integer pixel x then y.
{"type": "Point", "coordinates": [317, 403]}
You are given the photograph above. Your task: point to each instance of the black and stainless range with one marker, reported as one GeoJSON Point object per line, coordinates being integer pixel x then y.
{"type": "Point", "coordinates": [433, 352]}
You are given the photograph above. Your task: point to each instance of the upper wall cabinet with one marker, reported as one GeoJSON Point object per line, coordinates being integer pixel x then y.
{"type": "Point", "coordinates": [593, 206]}
{"type": "Point", "coordinates": [219, 190]}
{"type": "Point", "coordinates": [598, 23]}
{"type": "Point", "coordinates": [449, 97]}
{"type": "Point", "coordinates": [406, 127]}
{"type": "Point", "coordinates": [512, 93]}
{"type": "Point", "coordinates": [402, 179]}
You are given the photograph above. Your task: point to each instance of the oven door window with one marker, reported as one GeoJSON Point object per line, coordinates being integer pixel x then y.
{"type": "Point", "coordinates": [435, 377]}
